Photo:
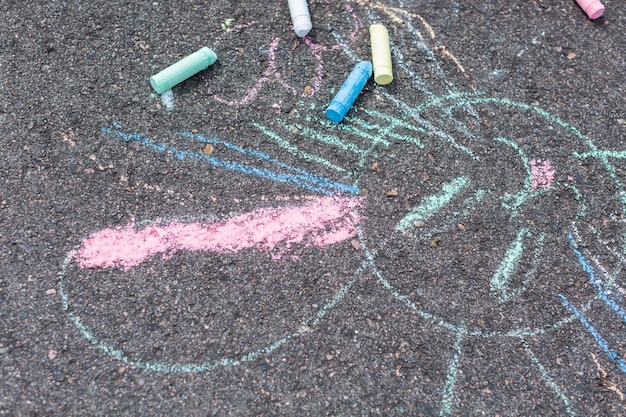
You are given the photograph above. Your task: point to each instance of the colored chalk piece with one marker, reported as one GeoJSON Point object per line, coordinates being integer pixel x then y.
{"type": "Point", "coordinates": [349, 91]}
{"type": "Point", "coordinates": [381, 54]}
{"type": "Point", "coordinates": [183, 69]}
{"type": "Point", "coordinates": [300, 17]}
{"type": "Point", "coordinates": [593, 8]}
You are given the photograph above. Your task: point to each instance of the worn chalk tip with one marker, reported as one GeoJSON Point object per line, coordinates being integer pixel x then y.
{"type": "Point", "coordinates": [335, 112]}
{"type": "Point", "coordinates": [159, 84]}
{"type": "Point", "coordinates": [209, 55]}
{"type": "Point", "coordinates": [302, 25]}
{"type": "Point", "coordinates": [384, 76]}
{"type": "Point", "coordinates": [595, 10]}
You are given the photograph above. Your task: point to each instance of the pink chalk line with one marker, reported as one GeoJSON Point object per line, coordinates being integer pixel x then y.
{"type": "Point", "coordinates": [320, 223]}
{"type": "Point", "coordinates": [316, 50]}
{"type": "Point", "coordinates": [542, 174]}
{"type": "Point", "coordinates": [235, 28]}
{"type": "Point", "coordinates": [254, 90]}
{"type": "Point", "coordinates": [252, 93]}
{"type": "Point", "coordinates": [354, 35]}
{"type": "Point", "coordinates": [240, 27]}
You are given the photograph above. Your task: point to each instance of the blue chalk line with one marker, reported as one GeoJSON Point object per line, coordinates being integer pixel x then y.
{"type": "Point", "coordinates": [597, 283]}
{"type": "Point", "coordinates": [594, 333]}
{"type": "Point", "coordinates": [298, 177]}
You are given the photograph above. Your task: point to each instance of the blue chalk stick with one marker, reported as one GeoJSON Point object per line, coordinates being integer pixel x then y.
{"type": "Point", "coordinates": [349, 91]}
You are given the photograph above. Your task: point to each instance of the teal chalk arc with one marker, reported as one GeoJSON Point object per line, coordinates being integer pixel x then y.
{"type": "Point", "coordinates": [167, 367]}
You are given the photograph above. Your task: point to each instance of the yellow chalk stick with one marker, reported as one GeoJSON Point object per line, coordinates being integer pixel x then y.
{"type": "Point", "coordinates": [381, 54]}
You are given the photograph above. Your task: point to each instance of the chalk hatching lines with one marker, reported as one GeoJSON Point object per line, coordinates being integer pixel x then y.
{"type": "Point", "coordinates": [374, 139]}
{"type": "Point", "coordinates": [428, 125]}
{"type": "Point", "coordinates": [394, 123]}
{"type": "Point", "coordinates": [407, 109]}
{"type": "Point", "coordinates": [597, 283]}
{"type": "Point", "coordinates": [283, 143]}
{"type": "Point", "coordinates": [614, 356]}
{"type": "Point", "coordinates": [297, 177]}
{"type": "Point", "coordinates": [327, 139]}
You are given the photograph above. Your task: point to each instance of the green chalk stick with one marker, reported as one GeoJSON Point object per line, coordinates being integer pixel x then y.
{"type": "Point", "coordinates": [183, 69]}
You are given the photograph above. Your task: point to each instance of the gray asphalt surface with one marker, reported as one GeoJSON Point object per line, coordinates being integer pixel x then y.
{"type": "Point", "coordinates": [475, 267]}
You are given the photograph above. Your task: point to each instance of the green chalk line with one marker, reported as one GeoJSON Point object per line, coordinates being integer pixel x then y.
{"type": "Point", "coordinates": [546, 376]}
{"type": "Point", "coordinates": [375, 139]}
{"type": "Point", "coordinates": [432, 204]}
{"type": "Point", "coordinates": [453, 374]}
{"type": "Point", "coordinates": [325, 138]}
{"type": "Point", "coordinates": [295, 150]}
{"type": "Point", "coordinates": [501, 280]}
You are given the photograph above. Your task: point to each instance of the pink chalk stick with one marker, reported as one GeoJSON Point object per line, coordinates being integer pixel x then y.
{"type": "Point", "coordinates": [593, 8]}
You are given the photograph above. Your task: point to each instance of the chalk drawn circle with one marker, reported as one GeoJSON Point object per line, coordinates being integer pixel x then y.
{"type": "Point", "coordinates": [508, 289]}
{"type": "Point", "coordinates": [93, 332]}
{"type": "Point", "coordinates": [274, 67]}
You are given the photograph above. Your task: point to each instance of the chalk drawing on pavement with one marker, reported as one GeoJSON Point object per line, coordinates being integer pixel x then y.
{"type": "Point", "coordinates": [539, 190]}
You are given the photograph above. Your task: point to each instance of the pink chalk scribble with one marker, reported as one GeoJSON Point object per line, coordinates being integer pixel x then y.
{"type": "Point", "coordinates": [271, 71]}
{"type": "Point", "coordinates": [276, 106]}
{"type": "Point", "coordinates": [316, 50]}
{"type": "Point", "coordinates": [322, 222]}
{"type": "Point", "coordinates": [237, 28]}
{"type": "Point", "coordinates": [354, 35]}
{"type": "Point", "coordinates": [542, 174]}
{"type": "Point", "coordinates": [230, 30]}
{"type": "Point", "coordinates": [254, 90]}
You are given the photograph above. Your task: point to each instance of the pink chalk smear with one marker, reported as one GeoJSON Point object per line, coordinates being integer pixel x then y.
{"type": "Point", "coordinates": [542, 174]}
{"type": "Point", "coordinates": [321, 223]}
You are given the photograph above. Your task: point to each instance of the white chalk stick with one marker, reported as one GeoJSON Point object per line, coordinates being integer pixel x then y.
{"type": "Point", "coordinates": [300, 17]}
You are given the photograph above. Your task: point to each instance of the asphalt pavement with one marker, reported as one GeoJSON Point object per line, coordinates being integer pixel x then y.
{"type": "Point", "coordinates": [454, 246]}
